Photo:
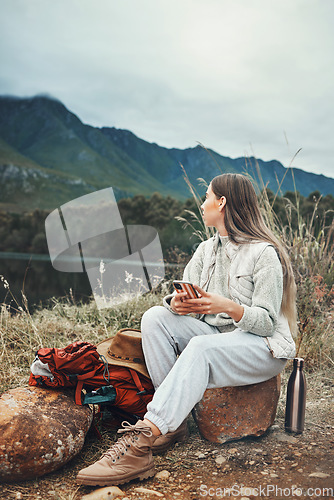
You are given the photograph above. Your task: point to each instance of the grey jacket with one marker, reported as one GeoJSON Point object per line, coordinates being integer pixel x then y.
{"type": "Point", "coordinates": [251, 275]}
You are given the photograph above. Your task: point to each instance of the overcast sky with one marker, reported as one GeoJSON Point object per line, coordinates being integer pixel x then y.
{"type": "Point", "coordinates": [243, 77]}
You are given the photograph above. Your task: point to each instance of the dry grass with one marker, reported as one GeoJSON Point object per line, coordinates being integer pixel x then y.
{"type": "Point", "coordinates": [311, 254]}
{"type": "Point", "coordinates": [21, 334]}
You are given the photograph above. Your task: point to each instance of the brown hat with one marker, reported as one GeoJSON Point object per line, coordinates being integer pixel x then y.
{"type": "Point", "coordinates": [124, 349]}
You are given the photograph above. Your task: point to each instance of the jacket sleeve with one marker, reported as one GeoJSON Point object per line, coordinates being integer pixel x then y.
{"type": "Point", "coordinates": [261, 316]}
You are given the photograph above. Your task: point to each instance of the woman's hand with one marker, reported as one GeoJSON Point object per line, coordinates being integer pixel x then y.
{"type": "Point", "coordinates": [207, 303]}
{"type": "Point", "coordinates": [178, 303]}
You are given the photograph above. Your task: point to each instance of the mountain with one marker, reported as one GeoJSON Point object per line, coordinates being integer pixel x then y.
{"type": "Point", "coordinates": [48, 156]}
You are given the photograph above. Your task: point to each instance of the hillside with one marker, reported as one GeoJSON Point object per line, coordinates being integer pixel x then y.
{"type": "Point", "coordinates": [48, 156]}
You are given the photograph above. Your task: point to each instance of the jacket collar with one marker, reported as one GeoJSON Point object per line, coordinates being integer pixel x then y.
{"type": "Point", "coordinates": [231, 248]}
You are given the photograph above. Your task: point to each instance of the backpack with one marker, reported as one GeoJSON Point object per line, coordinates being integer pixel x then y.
{"type": "Point", "coordinates": [79, 365]}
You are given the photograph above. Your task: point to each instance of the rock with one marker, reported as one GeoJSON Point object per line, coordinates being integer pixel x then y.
{"type": "Point", "coordinates": [148, 492]}
{"type": "Point", "coordinates": [104, 494]}
{"type": "Point", "coordinates": [229, 413]}
{"type": "Point", "coordinates": [220, 460]}
{"type": "Point", "coordinates": [319, 474]}
{"type": "Point", "coordinates": [285, 438]}
{"type": "Point", "coordinates": [275, 427]}
{"type": "Point", "coordinates": [41, 430]}
{"type": "Point", "coordinates": [162, 475]}
{"type": "Point", "coordinates": [233, 451]}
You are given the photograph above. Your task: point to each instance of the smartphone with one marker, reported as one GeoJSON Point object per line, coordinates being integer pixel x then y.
{"type": "Point", "coordinates": [184, 286]}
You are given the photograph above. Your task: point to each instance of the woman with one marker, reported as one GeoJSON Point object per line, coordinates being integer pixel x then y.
{"type": "Point", "coordinates": [241, 333]}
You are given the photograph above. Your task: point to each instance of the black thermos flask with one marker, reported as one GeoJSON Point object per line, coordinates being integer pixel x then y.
{"type": "Point", "coordinates": [296, 398]}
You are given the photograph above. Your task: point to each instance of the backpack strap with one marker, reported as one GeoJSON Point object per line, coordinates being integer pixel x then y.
{"type": "Point", "coordinates": [81, 380]}
{"type": "Point", "coordinates": [94, 426]}
{"type": "Point", "coordinates": [137, 381]}
{"type": "Point", "coordinates": [78, 390]}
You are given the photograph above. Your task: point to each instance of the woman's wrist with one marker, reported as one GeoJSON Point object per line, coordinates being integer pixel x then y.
{"type": "Point", "coordinates": [235, 311]}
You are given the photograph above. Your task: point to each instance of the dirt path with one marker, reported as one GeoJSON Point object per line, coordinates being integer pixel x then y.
{"type": "Point", "coordinates": [277, 465]}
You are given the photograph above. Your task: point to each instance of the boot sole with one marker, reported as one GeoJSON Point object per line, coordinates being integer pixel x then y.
{"type": "Point", "coordinates": [114, 481]}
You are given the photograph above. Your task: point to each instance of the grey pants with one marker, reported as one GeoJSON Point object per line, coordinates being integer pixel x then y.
{"type": "Point", "coordinates": [185, 356]}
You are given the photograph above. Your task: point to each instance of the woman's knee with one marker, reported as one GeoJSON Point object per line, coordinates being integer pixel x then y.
{"type": "Point", "coordinates": [151, 318]}
{"type": "Point", "coordinates": [196, 348]}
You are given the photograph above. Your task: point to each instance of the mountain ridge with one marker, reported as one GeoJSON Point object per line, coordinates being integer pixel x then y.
{"type": "Point", "coordinates": [49, 156]}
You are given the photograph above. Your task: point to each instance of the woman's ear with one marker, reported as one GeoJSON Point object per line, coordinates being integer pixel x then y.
{"type": "Point", "coordinates": [222, 203]}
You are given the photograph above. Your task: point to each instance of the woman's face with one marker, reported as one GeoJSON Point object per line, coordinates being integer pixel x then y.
{"type": "Point", "coordinates": [212, 208]}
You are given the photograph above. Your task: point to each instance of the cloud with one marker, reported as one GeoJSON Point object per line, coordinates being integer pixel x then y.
{"type": "Point", "coordinates": [228, 74]}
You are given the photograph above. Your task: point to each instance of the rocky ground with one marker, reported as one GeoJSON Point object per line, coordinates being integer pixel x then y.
{"type": "Point", "coordinates": [277, 465]}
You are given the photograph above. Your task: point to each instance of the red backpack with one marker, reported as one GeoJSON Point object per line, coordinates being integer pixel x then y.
{"type": "Point", "coordinates": [79, 365]}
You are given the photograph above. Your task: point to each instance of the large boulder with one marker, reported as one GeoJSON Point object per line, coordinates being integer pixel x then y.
{"type": "Point", "coordinates": [40, 430]}
{"type": "Point", "coordinates": [229, 413]}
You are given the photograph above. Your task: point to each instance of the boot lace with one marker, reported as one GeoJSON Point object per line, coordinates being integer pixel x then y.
{"type": "Point", "coordinates": [122, 445]}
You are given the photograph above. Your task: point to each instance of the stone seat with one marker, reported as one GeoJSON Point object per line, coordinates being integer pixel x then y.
{"type": "Point", "coordinates": [230, 413]}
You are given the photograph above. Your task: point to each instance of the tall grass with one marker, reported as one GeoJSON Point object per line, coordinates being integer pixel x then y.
{"type": "Point", "coordinates": [311, 252]}
{"type": "Point", "coordinates": [199, 230]}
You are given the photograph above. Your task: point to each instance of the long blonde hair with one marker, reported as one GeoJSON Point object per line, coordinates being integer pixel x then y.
{"type": "Point", "coordinates": [244, 223]}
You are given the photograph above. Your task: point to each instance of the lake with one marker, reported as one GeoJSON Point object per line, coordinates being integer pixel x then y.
{"type": "Point", "coordinates": [35, 276]}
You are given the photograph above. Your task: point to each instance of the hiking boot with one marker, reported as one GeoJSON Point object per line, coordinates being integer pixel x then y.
{"type": "Point", "coordinates": [129, 458]}
{"type": "Point", "coordinates": [165, 441]}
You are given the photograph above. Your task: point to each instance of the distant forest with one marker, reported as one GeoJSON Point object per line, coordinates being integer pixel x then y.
{"type": "Point", "coordinates": [25, 233]}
